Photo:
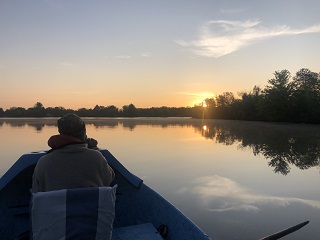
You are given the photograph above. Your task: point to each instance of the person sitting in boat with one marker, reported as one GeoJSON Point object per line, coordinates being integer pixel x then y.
{"type": "Point", "coordinates": [74, 160]}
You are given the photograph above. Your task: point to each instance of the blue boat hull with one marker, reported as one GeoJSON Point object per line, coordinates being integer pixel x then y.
{"type": "Point", "coordinates": [136, 205]}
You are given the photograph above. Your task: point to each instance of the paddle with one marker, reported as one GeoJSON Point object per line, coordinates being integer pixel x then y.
{"type": "Point", "coordinates": [285, 232]}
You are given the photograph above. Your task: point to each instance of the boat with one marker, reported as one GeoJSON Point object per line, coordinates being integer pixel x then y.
{"type": "Point", "coordinates": [140, 212]}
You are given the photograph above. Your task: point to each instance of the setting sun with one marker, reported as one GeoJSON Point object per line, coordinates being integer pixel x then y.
{"type": "Point", "coordinates": [200, 97]}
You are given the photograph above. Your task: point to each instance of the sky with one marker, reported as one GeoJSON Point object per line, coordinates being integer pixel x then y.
{"type": "Point", "coordinates": [82, 53]}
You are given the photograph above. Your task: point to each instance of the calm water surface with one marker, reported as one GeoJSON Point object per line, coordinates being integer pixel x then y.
{"type": "Point", "coordinates": [236, 180]}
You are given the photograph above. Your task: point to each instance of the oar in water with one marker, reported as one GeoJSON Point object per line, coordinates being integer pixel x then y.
{"type": "Point", "coordinates": [285, 232]}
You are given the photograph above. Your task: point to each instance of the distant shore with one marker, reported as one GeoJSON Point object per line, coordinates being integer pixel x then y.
{"type": "Point", "coordinates": [284, 99]}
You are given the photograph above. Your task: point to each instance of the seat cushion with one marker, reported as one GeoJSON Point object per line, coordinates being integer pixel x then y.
{"type": "Point", "coordinates": [84, 213]}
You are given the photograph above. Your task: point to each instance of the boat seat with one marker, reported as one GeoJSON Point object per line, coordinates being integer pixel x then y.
{"type": "Point", "coordinates": [84, 213]}
{"type": "Point", "coordinates": [144, 231]}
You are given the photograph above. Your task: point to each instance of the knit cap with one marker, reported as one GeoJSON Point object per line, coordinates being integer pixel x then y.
{"type": "Point", "coordinates": [72, 125]}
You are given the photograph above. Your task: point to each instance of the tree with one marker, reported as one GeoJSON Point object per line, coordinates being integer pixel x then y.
{"type": "Point", "coordinates": [83, 112]}
{"type": "Point", "coordinates": [249, 105]}
{"type": "Point", "coordinates": [226, 99]}
{"type": "Point", "coordinates": [210, 102]}
{"type": "Point", "coordinates": [38, 105]}
{"type": "Point", "coordinates": [1, 112]}
{"type": "Point", "coordinates": [101, 111]}
{"type": "Point", "coordinates": [111, 111]}
{"type": "Point", "coordinates": [305, 80]}
{"type": "Point", "coordinates": [15, 112]}
{"type": "Point", "coordinates": [307, 96]}
{"type": "Point", "coordinates": [129, 110]}
{"type": "Point", "coordinates": [208, 110]}
{"type": "Point", "coordinates": [56, 111]}
{"type": "Point", "coordinates": [224, 106]}
{"type": "Point", "coordinates": [37, 111]}
{"type": "Point", "coordinates": [276, 105]}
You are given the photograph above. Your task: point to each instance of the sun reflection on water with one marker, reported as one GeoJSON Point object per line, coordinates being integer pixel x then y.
{"type": "Point", "coordinates": [205, 128]}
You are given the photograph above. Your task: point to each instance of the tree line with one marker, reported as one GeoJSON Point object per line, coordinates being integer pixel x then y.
{"type": "Point", "coordinates": [38, 110]}
{"type": "Point", "coordinates": [283, 99]}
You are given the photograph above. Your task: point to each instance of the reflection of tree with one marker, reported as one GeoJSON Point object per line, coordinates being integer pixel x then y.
{"type": "Point", "coordinates": [37, 126]}
{"type": "Point", "coordinates": [127, 123]}
{"type": "Point", "coordinates": [282, 144]}
{"type": "Point", "coordinates": [221, 131]}
{"type": "Point", "coordinates": [39, 123]}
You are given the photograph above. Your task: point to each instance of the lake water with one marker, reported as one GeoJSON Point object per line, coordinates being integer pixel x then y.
{"type": "Point", "coordinates": [235, 180]}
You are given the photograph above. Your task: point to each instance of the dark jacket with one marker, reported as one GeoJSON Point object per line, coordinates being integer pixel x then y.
{"type": "Point", "coordinates": [71, 166]}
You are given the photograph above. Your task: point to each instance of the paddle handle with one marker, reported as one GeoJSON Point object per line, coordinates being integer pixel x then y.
{"type": "Point", "coordinates": [285, 232]}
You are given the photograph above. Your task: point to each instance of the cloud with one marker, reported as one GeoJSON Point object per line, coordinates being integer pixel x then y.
{"type": "Point", "coordinates": [220, 194]}
{"type": "Point", "coordinates": [127, 57]}
{"type": "Point", "coordinates": [221, 37]}
{"type": "Point", "coordinates": [145, 54]}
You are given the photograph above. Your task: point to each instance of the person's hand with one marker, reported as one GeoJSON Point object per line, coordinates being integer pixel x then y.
{"type": "Point", "coordinates": [92, 143]}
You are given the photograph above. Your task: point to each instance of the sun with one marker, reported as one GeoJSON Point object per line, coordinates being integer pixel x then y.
{"type": "Point", "coordinates": [204, 104]}
{"type": "Point", "coordinates": [198, 98]}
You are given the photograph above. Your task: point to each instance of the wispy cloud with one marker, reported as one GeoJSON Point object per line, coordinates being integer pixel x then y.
{"type": "Point", "coordinates": [218, 38]}
{"type": "Point", "coordinates": [221, 194]}
{"type": "Point", "coordinates": [145, 54]}
{"type": "Point", "coordinates": [141, 55]}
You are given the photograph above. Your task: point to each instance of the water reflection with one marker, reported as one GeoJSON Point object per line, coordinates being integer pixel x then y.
{"type": "Point", "coordinates": [282, 144]}
{"type": "Point", "coordinates": [220, 194]}
{"type": "Point", "coordinates": [37, 124]}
